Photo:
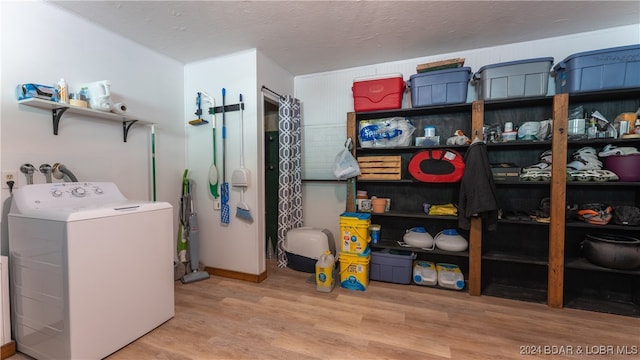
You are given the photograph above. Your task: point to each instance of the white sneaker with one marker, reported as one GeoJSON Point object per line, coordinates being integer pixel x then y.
{"type": "Point", "coordinates": [585, 158]}
{"type": "Point", "coordinates": [536, 175]}
{"type": "Point", "coordinates": [591, 175]}
{"type": "Point", "coordinates": [614, 150]}
{"type": "Point", "coordinates": [544, 163]}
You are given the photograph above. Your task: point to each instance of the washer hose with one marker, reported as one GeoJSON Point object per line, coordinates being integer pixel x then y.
{"type": "Point", "coordinates": [60, 171]}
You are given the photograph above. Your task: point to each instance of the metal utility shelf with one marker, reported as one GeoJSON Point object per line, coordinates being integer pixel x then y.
{"type": "Point", "coordinates": [58, 109]}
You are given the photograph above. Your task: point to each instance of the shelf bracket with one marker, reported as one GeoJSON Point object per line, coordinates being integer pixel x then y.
{"type": "Point", "coordinates": [57, 115]}
{"type": "Point", "coordinates": [126, 125]}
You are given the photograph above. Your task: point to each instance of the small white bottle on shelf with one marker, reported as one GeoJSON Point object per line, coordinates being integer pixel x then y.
{"type": "Point", "coordinates": [63, 91]}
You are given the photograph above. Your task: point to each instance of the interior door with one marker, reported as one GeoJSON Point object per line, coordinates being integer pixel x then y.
{"type": "Point", "coordinates": [271, 187]}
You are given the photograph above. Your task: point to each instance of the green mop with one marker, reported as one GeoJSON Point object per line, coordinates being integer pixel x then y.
{"type": "Point", "coordinates": [183, 213]}
{"type": "Point", "coordinates": [213, 169]}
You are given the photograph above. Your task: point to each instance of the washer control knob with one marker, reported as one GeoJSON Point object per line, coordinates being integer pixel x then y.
{"type": "Point", "coordinates": [56, 193]}
{"type": "Point", "coordinates": [98, 191]}
{"type": "Point", "coordinates": [78, 192]}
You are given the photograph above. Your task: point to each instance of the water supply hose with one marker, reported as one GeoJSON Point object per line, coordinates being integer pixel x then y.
{"type": "Point", "coordinates": [60, 171]}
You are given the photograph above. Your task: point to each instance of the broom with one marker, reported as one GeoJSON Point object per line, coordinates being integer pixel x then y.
{"type": "Point", "coordinates": [240, 177]}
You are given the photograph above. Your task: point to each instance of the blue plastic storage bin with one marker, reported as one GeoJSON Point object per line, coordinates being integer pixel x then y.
{"type": "Point", "coordinates": [394, 266]}
{"type": "Point", "coordinates": [513, 79]}
{"type": "Point", "coordinates": [448, 86]}
{"type": "Point", "coordinates": [604, 69]}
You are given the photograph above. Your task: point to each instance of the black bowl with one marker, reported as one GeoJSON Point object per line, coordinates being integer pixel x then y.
{"type": "Point", "coordinates": [612, 251]}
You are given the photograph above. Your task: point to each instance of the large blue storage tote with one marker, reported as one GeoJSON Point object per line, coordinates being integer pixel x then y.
{"type": "Point", "coordinates": [391, 266]}
{"type": "Point", "coordinates": [448, 86]}
{"type": "Point", "coordinates": [604, 69]}
{"type": "Point", "coordinates": [513, 79]}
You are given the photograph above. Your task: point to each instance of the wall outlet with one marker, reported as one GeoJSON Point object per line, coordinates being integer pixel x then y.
{"type": "Point", "coordinates": [9, 176]}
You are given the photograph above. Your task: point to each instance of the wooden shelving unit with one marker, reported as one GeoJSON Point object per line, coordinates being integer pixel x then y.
{"type": "Point", "coordinates": [525, 260]}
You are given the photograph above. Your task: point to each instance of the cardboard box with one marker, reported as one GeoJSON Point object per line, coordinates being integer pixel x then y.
{"type": "Point", "coordinates": [509, 173]}
{"type": "Point", "coordinates": [440, 65]}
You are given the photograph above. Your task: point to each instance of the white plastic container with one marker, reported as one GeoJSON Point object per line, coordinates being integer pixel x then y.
{"type": "Point", "coordinates": [450, 276]}
{"type": "Point", "coordinates": [305, 245]}
{"type": "Point", "coordinates": [450, 240]}
{"type": "Point", "coordinates": [425, 273]}
{"type": "Point", "coordinates": [325, 272]}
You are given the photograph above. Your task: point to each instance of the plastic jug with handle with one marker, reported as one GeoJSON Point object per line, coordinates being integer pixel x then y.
{"type": "Point", "coordinates": [100, 95]}
{"type": "Point", "coordinates": [450, 240]}
{"type": "Point", "coordinates": [325, 272]}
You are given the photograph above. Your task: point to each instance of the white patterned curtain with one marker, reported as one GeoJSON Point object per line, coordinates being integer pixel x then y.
{"type": "Point", "coordinates": [290, 179]}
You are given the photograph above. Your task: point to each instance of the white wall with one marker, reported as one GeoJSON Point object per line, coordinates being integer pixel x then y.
{"type": "Point", "coordinates": [223, 246]}
{"type": "Point", "coordinates": [42, 43]}
{"type": "Point", "coordinates": [327, 99]}
{"type": "Point", "coordinates": [238, 246]}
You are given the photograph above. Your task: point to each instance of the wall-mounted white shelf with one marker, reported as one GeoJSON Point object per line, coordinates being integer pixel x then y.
{"type": "Point", "coordinates": [58, 109]}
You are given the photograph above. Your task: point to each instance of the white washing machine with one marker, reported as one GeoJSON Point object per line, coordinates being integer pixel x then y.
{"type": "Point", "coordinates": [91, 271]}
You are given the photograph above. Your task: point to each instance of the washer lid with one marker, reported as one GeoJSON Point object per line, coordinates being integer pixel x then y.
{"type": "Point", "coordinates": [75, 201]}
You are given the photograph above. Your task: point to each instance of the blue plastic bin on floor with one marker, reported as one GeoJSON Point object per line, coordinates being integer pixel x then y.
{"type": "Point", "coordinates": [395, 266]}
{"type": "Point", "coordinates": [604, 69]}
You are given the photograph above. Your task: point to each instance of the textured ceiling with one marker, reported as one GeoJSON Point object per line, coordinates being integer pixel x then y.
{"type": "Point", "coordinates": [314, 36]}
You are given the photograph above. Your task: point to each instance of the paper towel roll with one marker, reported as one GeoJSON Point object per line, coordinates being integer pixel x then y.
{"type": "Point", "coordinates": [119, 108]}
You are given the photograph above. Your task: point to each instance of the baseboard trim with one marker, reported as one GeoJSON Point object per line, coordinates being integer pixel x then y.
{"type": "Point", "coordinates": [8, 349]}
{"type": "Point", "coordinates": [237, 275]}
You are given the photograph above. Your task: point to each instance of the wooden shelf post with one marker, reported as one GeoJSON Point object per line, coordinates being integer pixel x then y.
{"type": "Point", "coordinates": [555, 282]}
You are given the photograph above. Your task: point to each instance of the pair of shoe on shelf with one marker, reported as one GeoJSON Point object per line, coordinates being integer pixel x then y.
{"type": "Point", "coordinates": [584, 165]}
{"type": "Point", "coordinates": [541, 214]}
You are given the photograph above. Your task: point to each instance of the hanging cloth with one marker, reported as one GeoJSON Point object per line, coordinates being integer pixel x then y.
{"type": "Point", "coordinates": [290, 177]}
{"type": "Point", "coordinates": [477, 189]}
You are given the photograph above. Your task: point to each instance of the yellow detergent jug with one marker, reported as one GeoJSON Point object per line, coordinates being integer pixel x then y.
{"type": "Point", "coordinates": [325, 272]}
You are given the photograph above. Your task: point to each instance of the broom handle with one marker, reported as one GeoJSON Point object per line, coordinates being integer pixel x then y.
{"type": "Point", "coordinates": [224, 136]}
{"type": "Point", "coordinates": [241, 132]}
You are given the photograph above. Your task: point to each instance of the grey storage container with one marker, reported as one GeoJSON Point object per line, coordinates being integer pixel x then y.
{"type": "Point", "coordinates": [393, 266]}
{"type": "Point", "coordinates": [513, 79]}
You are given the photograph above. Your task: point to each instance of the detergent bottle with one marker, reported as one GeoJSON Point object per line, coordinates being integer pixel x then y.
{"type": "Point", "coordinates": [100, 95]}
{"type": "Point", "coordinates": [325, 272]}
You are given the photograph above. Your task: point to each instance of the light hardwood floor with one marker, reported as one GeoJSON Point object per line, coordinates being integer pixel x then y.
{"type": "Point", "coordinates": [284, 317]}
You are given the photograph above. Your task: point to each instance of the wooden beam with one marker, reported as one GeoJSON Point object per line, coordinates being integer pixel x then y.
{"type": "Point", "coordinates": [351, 134]}
{"type": "Point", "coordinates": [475, 233]}
{"type": "Point", "coordinates": [555, 283]}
